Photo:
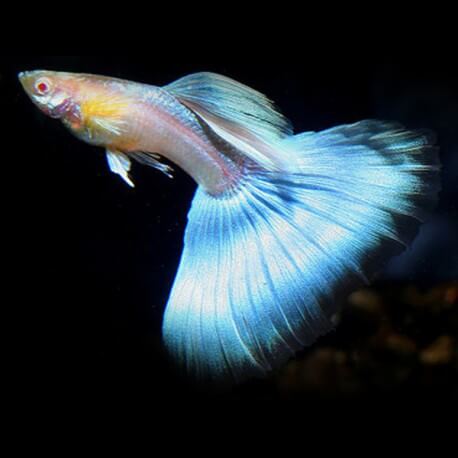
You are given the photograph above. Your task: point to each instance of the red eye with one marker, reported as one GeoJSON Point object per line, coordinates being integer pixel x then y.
{"type": "Point", "coordinates": [42, 87]}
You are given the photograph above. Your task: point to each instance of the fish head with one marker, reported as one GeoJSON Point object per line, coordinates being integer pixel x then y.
{"type": "Point", "coordinates": [52, 92]}
{"type": "Point", "coordinates": [93, 108]}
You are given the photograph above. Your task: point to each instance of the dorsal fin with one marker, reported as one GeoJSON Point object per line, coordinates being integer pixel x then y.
{"type": "Point", "coordinates": [231, 101]}
{"type": "Point", "coordinates": [242, 116]}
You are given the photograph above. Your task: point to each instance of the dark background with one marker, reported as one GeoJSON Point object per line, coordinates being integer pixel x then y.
{"type": "Point", "coordinates": [93, 260]}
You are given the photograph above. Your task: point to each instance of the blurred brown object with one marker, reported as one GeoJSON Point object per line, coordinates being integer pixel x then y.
{"type": "Point", "coordinates": [391, 339]}
{"type": "Point", "coordinates": [439, 352]}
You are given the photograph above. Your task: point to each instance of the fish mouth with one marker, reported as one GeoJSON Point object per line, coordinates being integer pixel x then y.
{"type": "Point", "coordinates": [28, 73]}
{"type": "Point", "coordinates": [26, 79]}
{"type": "Point", "coordinates": [23, 76]}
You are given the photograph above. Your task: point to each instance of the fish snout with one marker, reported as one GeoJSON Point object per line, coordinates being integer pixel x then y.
{"type": "Point", "coordinates": [22, 76]}
{"type": "Point", "coordinates": [28, 79]}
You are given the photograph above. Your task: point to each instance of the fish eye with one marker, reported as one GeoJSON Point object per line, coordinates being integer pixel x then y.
{"type": "Point", "coordinates": [43, 86]}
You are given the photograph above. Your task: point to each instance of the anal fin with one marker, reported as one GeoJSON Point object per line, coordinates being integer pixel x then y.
{"type": "Point", "coordinates": [153, 160]}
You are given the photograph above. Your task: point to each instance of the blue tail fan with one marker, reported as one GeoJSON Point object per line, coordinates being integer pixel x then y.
{"type": "Point", "coordinates": [265, 267]}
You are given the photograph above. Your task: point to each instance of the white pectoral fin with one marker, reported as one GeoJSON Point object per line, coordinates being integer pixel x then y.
{"type": "Point", "coordinates": [119, 163]}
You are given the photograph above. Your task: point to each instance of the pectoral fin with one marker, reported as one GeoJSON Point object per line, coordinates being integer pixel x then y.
{"type": "Point", "coordinates": [119, 163]}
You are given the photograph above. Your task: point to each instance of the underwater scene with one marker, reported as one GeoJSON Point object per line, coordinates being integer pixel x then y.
{"type": "Point", "coordinates": [202, 230]}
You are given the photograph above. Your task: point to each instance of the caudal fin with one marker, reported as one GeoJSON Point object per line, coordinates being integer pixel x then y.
{"type": "Point", "coordinates": [264, 268]}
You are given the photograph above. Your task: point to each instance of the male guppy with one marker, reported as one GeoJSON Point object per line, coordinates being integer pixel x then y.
{"type": "Point", "coordinates": [282, 226]}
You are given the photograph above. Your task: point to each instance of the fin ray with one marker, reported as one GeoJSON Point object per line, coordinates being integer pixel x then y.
{"type": "Point", "coordinates": [240, 115]}
{"type": "Point", "coordinates": [230, 100]}
{"type": "Point", "coordinates": [272, 260]}
{"type": "Point", "coordinates": [120, 164]}
{"type": "Point", "coordinates": [153, 160]}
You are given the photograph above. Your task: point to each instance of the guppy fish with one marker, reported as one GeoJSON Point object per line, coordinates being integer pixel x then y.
{"type": "Point", "coordinates": [281, 227]}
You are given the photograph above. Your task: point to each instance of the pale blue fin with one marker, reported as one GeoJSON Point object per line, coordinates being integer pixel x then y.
{"type": "Point", "coordinates": [264, 268]}
{"type": "Point", "coordinates": [119, 163]}
{"type": "Point", "coordinates": [232, 101]}
{"type": "Point", "coordinates": [240, 115]}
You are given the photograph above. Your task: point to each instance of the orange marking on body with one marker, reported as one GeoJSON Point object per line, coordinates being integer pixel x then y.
{"type": "Point", "coordinates": [103, 106]}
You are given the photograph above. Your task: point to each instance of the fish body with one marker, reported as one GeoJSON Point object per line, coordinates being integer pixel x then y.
{"type": "Point", "coordinates": [132, 118]}
{"type": "Point", "coordinates": [282, 226]}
